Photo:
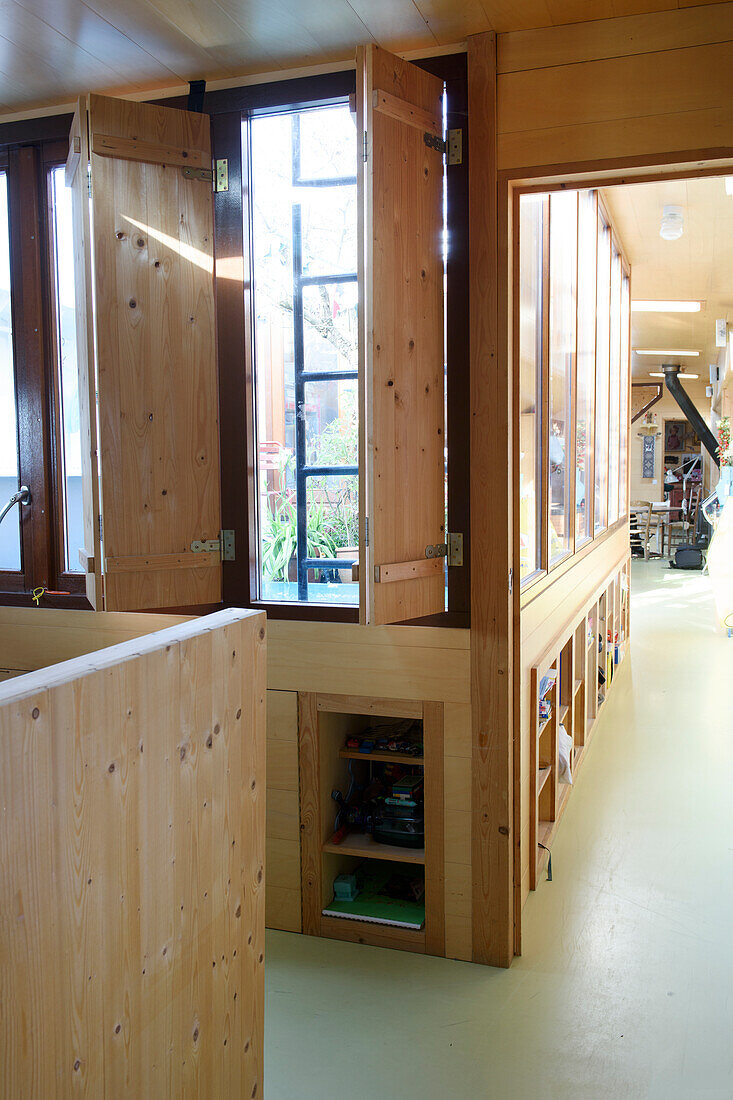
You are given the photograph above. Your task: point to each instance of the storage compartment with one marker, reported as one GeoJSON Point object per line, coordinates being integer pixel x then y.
{"type": "Point", "coordinates": [383, 832]}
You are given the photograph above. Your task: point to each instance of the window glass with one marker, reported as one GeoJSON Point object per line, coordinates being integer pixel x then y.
{"type": "Point", "coordinates": [586, 368]}
{"type": "Point", "coordinates": [304, 247]}
{"type": "Point", "coordinates": [614, 392]}
{"type": "Point", "coordinates": [624, 397]}
{"type": "Point", "coordinates": [602, 370]}
{"type": "Point", "coordinates": [67, 379]}
{"type": "Point", "coordinates": [563, 273]}
{"type": "Point", "coordinates": [531, 330]}
{"type": "Point", "coordinates": [10, 526]}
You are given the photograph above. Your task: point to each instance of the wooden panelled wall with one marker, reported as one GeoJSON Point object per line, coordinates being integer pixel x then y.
{"type": "Point", "coordinates": [131, 865]}
{"type": "Point", "coordinates": [616, 89]}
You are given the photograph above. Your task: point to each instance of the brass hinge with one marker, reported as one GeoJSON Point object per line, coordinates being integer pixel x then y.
{"type": "Point", "coordinates": [205, 174]}
{"type": "Point", "coordinates": [365, 146]}
{"type": "Point", "coordinates": [452, 550]}
{"type": "Point", "coordinates": [224, 544]}
{"type": "Point", "coordinates": [222, 175]}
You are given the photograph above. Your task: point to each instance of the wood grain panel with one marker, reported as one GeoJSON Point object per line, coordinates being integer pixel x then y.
{"type": "Point", "coordinates": [132, 860]}
{"type": "Point", "coordinates": [434, 829]}
{"type": "Point", "coordinates": [401, 346]}
{"type": "Point", "coordinates": [155, 353]}
{"type": "Point", "coordinates": [310, 813]}
{"type": "Point", "coordinates": [491, 537]}
{"type": "Point", "coordinates": [603, 38]}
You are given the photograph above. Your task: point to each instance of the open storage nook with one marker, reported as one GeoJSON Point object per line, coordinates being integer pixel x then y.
{"type": "Point", "coordinates": [330, 728]}
{"type": "Point", "coordinates": [569, 687]}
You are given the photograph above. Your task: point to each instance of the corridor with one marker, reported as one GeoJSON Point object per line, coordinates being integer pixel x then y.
{"type": "Point", "coordinates": [624, 986]}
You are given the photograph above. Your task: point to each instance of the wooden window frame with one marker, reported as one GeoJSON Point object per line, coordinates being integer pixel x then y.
{"type": "Point", "coordinates": [534, 582]}
{"type": "Point", "coordinates": [233, 271]}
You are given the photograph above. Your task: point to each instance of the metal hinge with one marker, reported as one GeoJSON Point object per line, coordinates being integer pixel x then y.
{"type": "Point", "coordinates": [366, 530]}
{"type": "Point", "coordinates": [221, 175]}
{"type": "Point", "coordinates": [454, 154]}
{"type": "Point", "coordinates": [452, 550]}
{"type": "Point", "coordinates": [89, 180]}
{"type": "Point", "coordinates": [101, 537]}
{"type": "Point", "coordinates": [452, 149]}
{"type": "Point", "coordinates": [511, 581]}
{"type": "Point", "coordinates": [364, 146]}
{"type": "Point", "coordinates": [205, 174]}
{"type": "Point", "coordinates": [224, 544]}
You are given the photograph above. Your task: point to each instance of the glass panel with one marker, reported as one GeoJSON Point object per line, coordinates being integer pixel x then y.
{"type": "Point", "coordinates": [614, 390]}
{"type": "Point", "coordinates": [586, 370]}
{"type": "Point", "coordinates": [531, 333]}
{"type": "Point", "coordinates": [624, 416]}
{"type": "Point", "coordinates": [330, 335]}
{"type": "Point", "coordinates": [563, 273]}
{"type": "Point", "coordinates": [602, 365]}
{"type": "Point", "coordinates": [301, 231]}
{"type": "Point", "coordinates": [67, 370]}
{"type": "Point", "coordinates": [10, 526]}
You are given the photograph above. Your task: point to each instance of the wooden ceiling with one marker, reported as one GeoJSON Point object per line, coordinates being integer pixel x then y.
{"type": "Point", "coordinates": [698, 266]}
{"type": "Point", "coordinates": [52, 50]}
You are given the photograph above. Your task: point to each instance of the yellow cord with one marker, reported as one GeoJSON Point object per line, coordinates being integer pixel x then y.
{"type": "Point", "coordinates": [37, 594]}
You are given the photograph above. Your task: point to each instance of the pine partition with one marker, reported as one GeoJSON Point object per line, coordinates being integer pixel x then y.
{"type": "Point", "coordinates": [132, 864]}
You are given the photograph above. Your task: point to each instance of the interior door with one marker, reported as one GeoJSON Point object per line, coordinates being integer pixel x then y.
{"type": "Point", "coordinates": [149, 379]}
{"type": "Point", "coordinates": [400, 119]}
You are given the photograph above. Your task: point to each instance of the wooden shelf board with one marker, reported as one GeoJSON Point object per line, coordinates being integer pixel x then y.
{"type": "Point", "coordinates": [542, 776]}
{"type": "Point", "coordinates": [545, 722]}
{"type": "Point", "coordinates": [382, 757]}
{"type": "Point", "coordinates": [362, 845]}
{"type": "Point", "coordinates": [563, 713]}
{"type": "Point", "coordinates": [544, 832]}
{"type": "Point", "coordinates": [379, 935]}
{"type": "Point", "coordinates": [576, 687]}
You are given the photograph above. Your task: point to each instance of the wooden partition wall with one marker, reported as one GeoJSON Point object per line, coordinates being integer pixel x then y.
{"type": "Point", "coordinates": [132, 862]}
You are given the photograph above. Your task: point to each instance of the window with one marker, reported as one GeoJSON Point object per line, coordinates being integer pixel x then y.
{"type": "Point", "coordinates": [304, 246]}
{"type": "Point", "coordinates": [532, 251]}
{"type": "Point", "coordinates": [10, 526]}
{"type": "Point", "coordinates": [602, 375]}
{"type": "Point", "coordinates": [586, 368]}
{"type": "Point", "coordinates": [614, 391]}
{"type": "Point", "coordinates": [66, 376]}
{"type": "Point", "coordinates": [563, 275]}
{"type": "Point", "coordinates": [572, 318]}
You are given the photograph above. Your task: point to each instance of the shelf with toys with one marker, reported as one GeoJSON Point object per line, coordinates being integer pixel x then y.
{"type": "Point", "coordinates": [371, 781]}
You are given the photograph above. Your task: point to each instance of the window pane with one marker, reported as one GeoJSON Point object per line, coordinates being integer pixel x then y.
{"type": "Point", "coordinates": [563, 272]}
{"type": "Point", "coordinates": [67, 370]}
{"type": "Point", "coordinates": [602, 367]}
{"type": "Point", "coordinates": [614, 389]}
{"type": "Point", "coordinates": [587, 264]}
{"type": "Point", "coordinates": [531, 330]}
{"type": "Point", "coordinates": [10, 526]}
{"type": "Point", "coordinates": [303, 231]}
{"type": "Point", "coordinates": [624, 416]}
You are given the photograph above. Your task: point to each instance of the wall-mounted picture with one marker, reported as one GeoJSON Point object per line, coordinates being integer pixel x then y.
{"type": "Point", "coordinates": [674, 435]}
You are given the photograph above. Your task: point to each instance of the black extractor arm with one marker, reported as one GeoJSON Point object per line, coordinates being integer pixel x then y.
{"type": "Point", "coordinates": [675, 387]}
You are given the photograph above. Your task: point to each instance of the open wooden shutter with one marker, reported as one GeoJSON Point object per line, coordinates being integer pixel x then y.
{"type": "Point", "coordinates": [399, 115]}
{"type": "Point", "coordinates": [151, 357]}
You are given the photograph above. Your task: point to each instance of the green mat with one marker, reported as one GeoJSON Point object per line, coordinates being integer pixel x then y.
{"type": "Point", "coordinates": [374, 906]}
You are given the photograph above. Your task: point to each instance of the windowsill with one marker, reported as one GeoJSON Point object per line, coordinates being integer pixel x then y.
{"type": "Point", "coordinates": [328, 594]}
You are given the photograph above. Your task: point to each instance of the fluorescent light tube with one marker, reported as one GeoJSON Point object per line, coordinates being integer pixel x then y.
{"type": "Point", "coordinates": [661, 352]}
{"type": "Point", "coordinates": [645, 306]}
{"type": "Point", "coordinates": [654, 374]}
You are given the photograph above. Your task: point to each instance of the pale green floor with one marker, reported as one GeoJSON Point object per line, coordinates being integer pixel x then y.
{"type": "Point", "coordinates": [625, 985]}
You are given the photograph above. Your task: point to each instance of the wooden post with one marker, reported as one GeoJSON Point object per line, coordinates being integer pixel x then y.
{"type": "Point", "coordinates": [491, 536]}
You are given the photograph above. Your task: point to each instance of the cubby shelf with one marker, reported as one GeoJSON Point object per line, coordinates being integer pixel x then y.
{"type": "Point", "coordinates": [382, 757]}
{"type": "Point", "coordinates": [362, 845]}
{"type": "Point", "coordinates": [576, 687]}
{"type": "Point", "coordinates": [543, 776]}
{"type": "Point", "coordinates": [562, 714]}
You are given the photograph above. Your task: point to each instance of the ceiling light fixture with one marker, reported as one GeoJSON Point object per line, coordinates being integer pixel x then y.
{"type": "Point", "coordinates": [673, 352]}
{"type": "Point", "coordinates": [672, 223]}
{"type": "Point", "coordinates": [729, 185]}
{"type": "Point", "coordinates": [655, 374]}
{"type": "Point", "coordinates": [644, 305]}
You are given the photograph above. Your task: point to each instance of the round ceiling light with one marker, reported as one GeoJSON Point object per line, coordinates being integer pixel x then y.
{"type": "Point", "coordinates": [672, 223]}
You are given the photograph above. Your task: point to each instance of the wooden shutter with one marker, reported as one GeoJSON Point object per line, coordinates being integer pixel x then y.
{"type": "Point", "coordinates": [399, 116]}
{"type": "Point", "coordinates": [152, 355]}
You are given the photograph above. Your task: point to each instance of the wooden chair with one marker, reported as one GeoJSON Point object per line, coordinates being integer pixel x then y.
{"type": "Point", "coordinates": [642, 531]}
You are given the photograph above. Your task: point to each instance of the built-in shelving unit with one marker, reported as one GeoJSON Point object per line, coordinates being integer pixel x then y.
{"type": "Point", "coordinates": [583, 661]}
{"type": "Point", "coordinates": [326, 765]}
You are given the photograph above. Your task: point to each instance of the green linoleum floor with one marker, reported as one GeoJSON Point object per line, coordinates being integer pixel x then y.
{"type": "Point", "coordinates": [625, 987]}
